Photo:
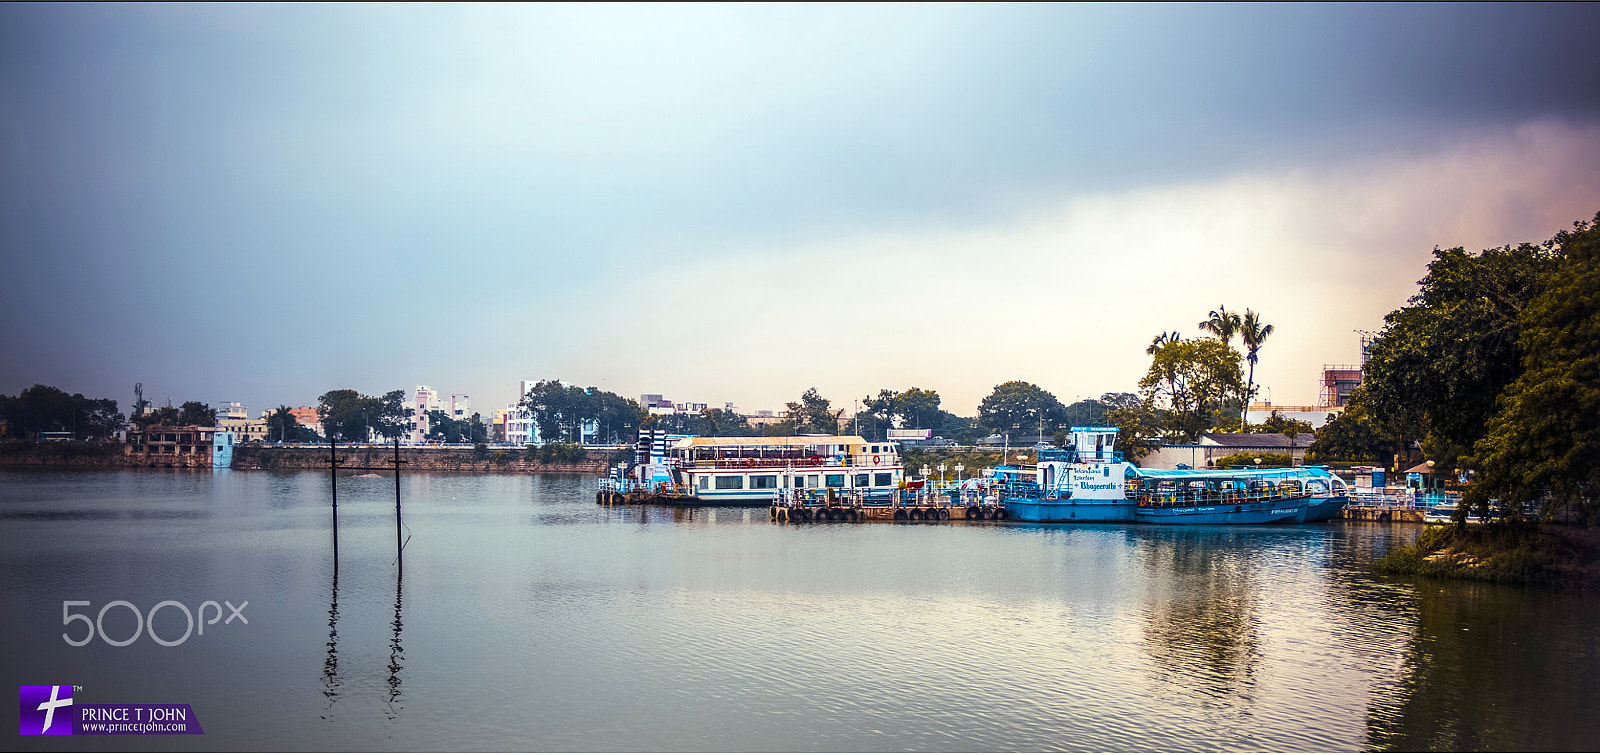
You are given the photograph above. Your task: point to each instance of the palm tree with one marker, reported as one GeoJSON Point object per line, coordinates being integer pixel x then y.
{"type": "Point", "coordinates": [1253, 332]}
{"type": "Point", "coordinates": [282, 417]}
{"type": "Point", "coordinates": [1161, 339]}
{"type": "Point", "coordinates": [1223, 324]}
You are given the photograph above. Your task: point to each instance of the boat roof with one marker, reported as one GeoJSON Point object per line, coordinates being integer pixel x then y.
{"type": "Point", "coordinates": [784, 441]}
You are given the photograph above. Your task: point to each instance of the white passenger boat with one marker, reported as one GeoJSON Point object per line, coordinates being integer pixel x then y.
{"type": "Point", "coordinates": [749, 471]}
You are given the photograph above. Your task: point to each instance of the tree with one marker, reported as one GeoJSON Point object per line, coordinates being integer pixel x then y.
{"type": "Point", "coordinates": [1191, 379]}
{"type": "Point", "coordinates": [1351, 435]}
{"type": "Point", "coordinates": [161, 415]}
{"type": "Point", "coordinates": [197, 414]}
{"type": "Point", "coordinates": [723, 423]}
{"type": "Point", "coordinates": [1253, 332]}
{"type": "Point", "coordinates": [283, 421]}
{"type": "Point", "coordinates": [1161, 339]}
{"type": "Point", "coordinates": [913, 407]}
{"type": "Point", "coordinates": [813, 414]}
{"type": "Point", "coordinates": [1222, 324]}
{"type": "Point", "coordinates": [1442, 360]}
{"type": "Point", "coordinates": [348, 415]}
{"type": "Point", "coordinates": [1288, 426]}
{"type": "Point", "coordinates": [1017, 407]}
{"type": "Point", "coordinates": [44, 408]}
{"type": "Point", "coordinates": [1138, 426]}
{"type": "Point", "coordinates": [1093, 412]}
{"type": "Point", "coordinates": [1543, 441]}
{"type": "Point", "coordinates": [561, 410]}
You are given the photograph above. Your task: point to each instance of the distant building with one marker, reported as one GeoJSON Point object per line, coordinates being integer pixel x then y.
{"type": "Point", "coordinates": [231, 410]}
{"type": "Point", "coordinates": [423, 400]}
{"type": "Point", "coordinates": [307, 416]}
{"type": "Point", "coordinates": [244, 430]}
{"type": "Point", "coordinates": [765, 418]}
{"type": "Point", "coordinates": [169, 446]}
{"type": "Point", "coordinates": [460, 406]}
{"type": "Point", "coordinates": [1338, 381]}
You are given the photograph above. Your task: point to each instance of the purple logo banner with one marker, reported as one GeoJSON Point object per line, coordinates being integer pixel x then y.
{"type": "Point", "coordinates": [47, 709]}
{"type": "Point", "coordinates": [122, 718]}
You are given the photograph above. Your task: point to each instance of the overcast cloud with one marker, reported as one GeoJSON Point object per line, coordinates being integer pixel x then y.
{"type": "Point", "coordinates": [261, 203]}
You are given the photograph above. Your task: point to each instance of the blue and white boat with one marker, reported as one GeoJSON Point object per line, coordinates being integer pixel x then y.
{"type": "Point", "coordinates": [1085, 482]}
{"type": "Point", "coordinates": [1090, 482]}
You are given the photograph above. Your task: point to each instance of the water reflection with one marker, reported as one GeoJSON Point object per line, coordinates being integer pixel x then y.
{"type": "Point", "coordinates": [1200, 629]}
{"type": "Point", "coordinates": [396, 652]}
{"type": "Point", "coordinates": [330, 665]}
{"type": "Point", "coordinates": [1493, 667]}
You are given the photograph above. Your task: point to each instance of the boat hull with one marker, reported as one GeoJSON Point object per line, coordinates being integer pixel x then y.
{"type": "Point", "coordinates": [1325, 508]}
{"type": "Point", "coordinates": [1037, 510]}
{"type": "Point", "coordinates": [1264, 512]}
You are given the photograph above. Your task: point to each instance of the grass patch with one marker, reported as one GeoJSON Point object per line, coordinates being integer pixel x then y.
{"type": "Point", "coordinates": [1513, 552]}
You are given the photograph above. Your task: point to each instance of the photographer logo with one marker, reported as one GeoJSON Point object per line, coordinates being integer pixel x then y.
{"type": "Point", "coordinates": [47, 710]}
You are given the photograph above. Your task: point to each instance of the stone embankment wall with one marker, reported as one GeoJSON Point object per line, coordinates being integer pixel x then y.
{"type": "Point", "coordinates": [64, 454]}
{"type": "Point", "coordinates": [499, 460]}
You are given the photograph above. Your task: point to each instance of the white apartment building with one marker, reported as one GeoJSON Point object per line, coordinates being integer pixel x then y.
{"type": "Point", "coordinates": [423, 401]}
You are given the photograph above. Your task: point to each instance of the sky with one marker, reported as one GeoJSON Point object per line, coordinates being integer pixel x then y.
{"type": "Point", "coordinates": [734, 203]}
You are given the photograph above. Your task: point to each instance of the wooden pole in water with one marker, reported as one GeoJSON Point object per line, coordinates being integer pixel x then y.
{"type": "Point", "coordinates": [399, 545]}
{"type": "Point", "coordinates": [333, 482]}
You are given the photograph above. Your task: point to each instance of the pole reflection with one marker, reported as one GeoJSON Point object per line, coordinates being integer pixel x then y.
{"type": "Point", "coordinates": [396, 651]}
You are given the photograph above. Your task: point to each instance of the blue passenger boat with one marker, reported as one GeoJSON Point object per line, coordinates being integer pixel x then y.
{"type": "Point", "coordinates": [1089, 482]}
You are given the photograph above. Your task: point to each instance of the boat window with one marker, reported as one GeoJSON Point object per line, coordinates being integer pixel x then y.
{"type": "Point", "coordinates": [811, 481]}
{"type": "Point", "coordinates": [836, 481]}
{"type": "Point", "coordinates": [730, 482]}
{"type": "Point", "coordinates": [799, 481]}
{"type": "Point", "coordinates": [882, 480]}
{"type": "Point", "coordinates": [763, 481]}
{"type": "Point", "coordinates": [861, 480]}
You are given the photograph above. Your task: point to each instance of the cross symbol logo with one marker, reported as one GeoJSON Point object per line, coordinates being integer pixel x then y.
{"type": "Point", "coordinates": [34, 703]}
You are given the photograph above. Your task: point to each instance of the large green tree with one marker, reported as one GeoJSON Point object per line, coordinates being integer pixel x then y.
{"type": "Point", "coordinates": [1543, 440]}
{"type": "Point", "coordinates": [1021, 408]}
{"type": "Point", "coordinates": [812, 414]}
{"type": "Point", "coordinates": [1354, 435]}
{"type": "Point", "coordinates": [44, 408]}
{"type": "Point", "coordinates": [561, 411]}
{"type": "Point", "coordinates": [347, 414]}
{"type": "Point", "coordinates": [913, 408]}
{"type": "Point", "coordinates": [1192, 380]}
{"type": "Point", "coordinates": [1435, 371]}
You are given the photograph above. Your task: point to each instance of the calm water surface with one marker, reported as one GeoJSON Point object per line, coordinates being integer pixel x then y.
{"type": "Point", "coordinates": [528, 618]}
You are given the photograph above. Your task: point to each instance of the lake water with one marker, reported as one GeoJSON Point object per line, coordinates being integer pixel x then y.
{"type": "Point", "coordinates": [528, 618]}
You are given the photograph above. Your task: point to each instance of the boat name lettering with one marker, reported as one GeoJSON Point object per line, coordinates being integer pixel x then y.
{"type": "Point", "coordinates": [1097, 486]}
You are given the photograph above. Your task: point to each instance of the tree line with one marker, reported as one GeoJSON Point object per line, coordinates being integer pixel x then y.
{"type": "Point", "coordinates": [1492, 371]}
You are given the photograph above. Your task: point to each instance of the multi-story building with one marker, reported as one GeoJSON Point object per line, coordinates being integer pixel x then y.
{"type": "Point", "coordinates": [307, 416]}
{"type": "Point", "coordinates": [423, 401]}
{"type": "Point", "coordinates": [460, 406]}
{"type": "Point", "coordinates": [187, 446]}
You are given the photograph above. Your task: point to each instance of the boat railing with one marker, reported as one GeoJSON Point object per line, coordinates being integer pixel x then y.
{"type": "Point", "coordinates": [629, 485]}
{"type": "Point", "coordinates": [1071, 455]}
{"type": "Point", "coordinates": [1207, 497]}
{"type": "Point", "coordinates": [808, 462]}
{"type": "Point", "coordinates": [924, 496]}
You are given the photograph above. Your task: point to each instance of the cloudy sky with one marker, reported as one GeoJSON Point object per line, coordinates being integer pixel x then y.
{"type": "Point", "coordinates": [261, 203]}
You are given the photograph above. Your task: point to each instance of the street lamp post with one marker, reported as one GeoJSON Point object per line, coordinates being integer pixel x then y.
{"type": "Point", "coordinates": [941, 473]}
{"type": "Point", "coordinates": [959, 467]}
